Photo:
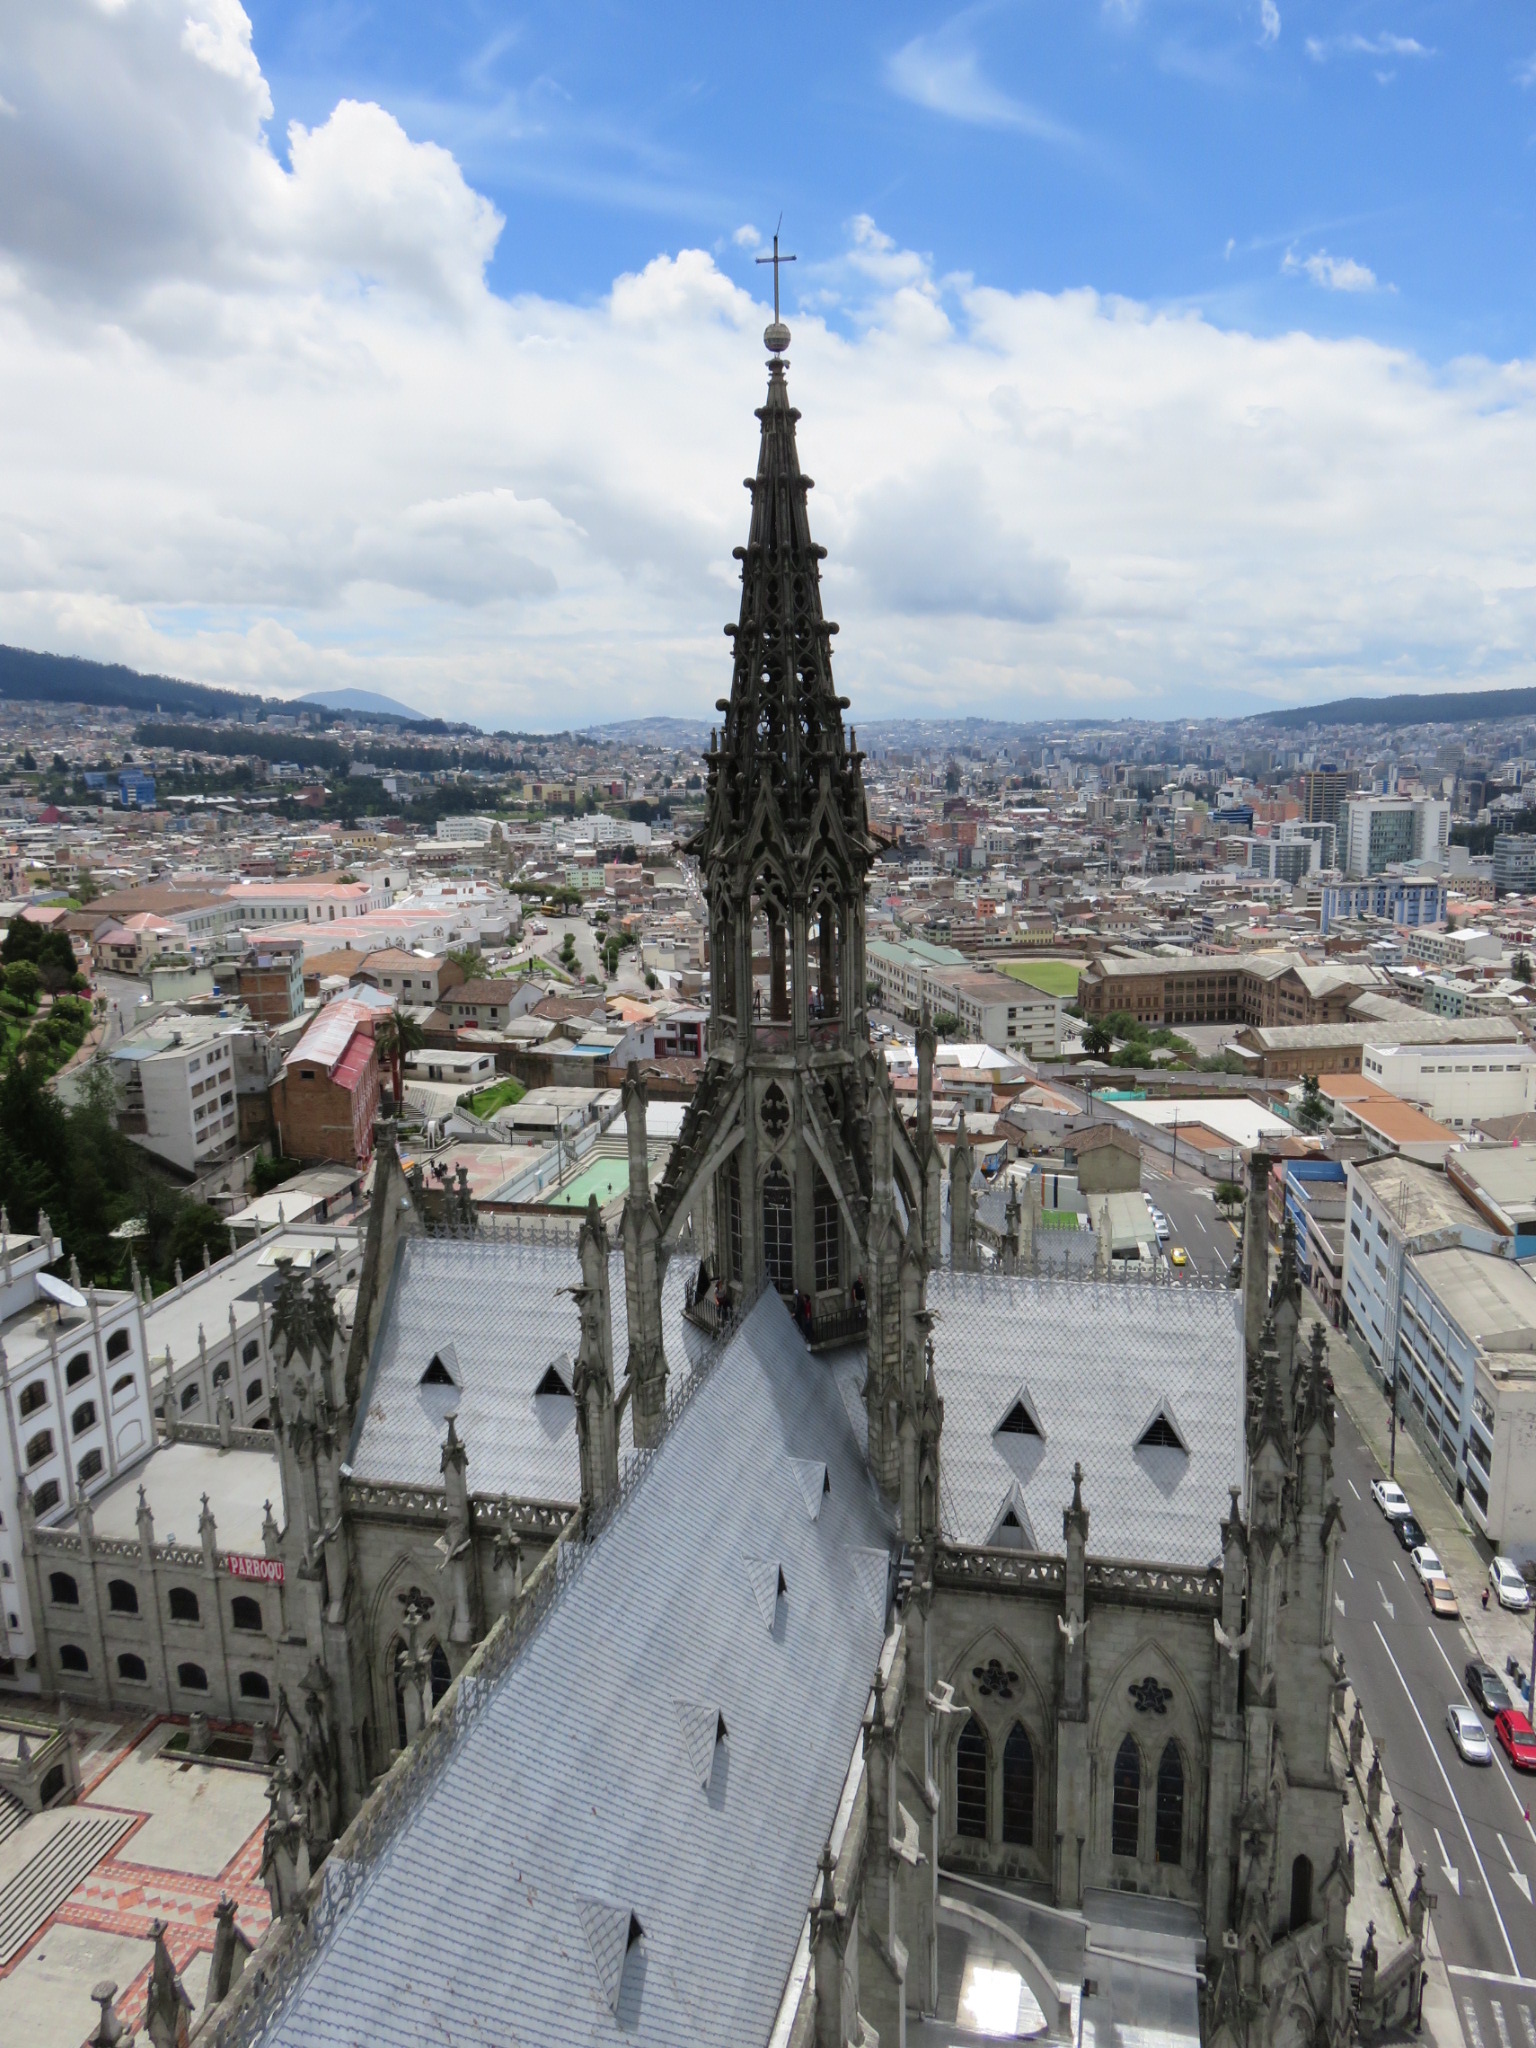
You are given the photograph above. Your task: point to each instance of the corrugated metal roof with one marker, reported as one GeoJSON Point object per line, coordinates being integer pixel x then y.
{"type": "Point", "coordinates": [331, 1033]}
{"type": "Point", "coordinates": [574, 1804]}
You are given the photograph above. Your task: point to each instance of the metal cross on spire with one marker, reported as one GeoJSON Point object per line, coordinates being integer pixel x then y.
{"type": "Point", "coordinates": [776, 259]}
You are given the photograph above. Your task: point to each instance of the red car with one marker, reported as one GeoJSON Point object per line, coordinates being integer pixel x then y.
{"type": "Point", "coordinates": [1516, 1738]}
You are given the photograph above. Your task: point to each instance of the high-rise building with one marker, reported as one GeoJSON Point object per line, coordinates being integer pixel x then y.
{"type": "Point", "coordinates": [1380, 831]}
{"type": "Point", "coordinates": [1324, 790]}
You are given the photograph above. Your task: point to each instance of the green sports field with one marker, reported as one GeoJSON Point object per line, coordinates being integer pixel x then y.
{"type": "Point", "coordinates": [1055, 977]}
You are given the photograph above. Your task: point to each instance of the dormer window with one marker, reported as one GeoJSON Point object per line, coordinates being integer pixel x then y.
{"type": "Point", "coordinates": [1161, 1435]}
{"type": "Point", "coordinates": [442, 1369]}
{"type": "Point", "coordinates": [555, 1380]}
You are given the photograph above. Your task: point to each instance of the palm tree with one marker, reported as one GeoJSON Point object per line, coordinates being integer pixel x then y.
{"type": "Point", "coordinates": [394, 1035]}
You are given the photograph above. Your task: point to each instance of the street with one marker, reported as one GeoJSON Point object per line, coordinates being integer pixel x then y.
{"type": "Point", "coordinates": [1465, 1823]}
{"type": "Point", "coordinates": [1195, 1222]}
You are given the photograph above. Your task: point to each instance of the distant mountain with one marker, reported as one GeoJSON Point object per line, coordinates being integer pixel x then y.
{"type": "Point", "coordinates": [655, 732]}
{"type": "Point", "coordinates": [361, 700]}
{"type": "Point", "coordinates": [1448, 707]}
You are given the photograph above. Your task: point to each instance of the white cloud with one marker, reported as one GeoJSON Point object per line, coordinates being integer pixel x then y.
{"type": "Point", "coordinates": [1525, 73]}
{"type": "Point", "coordinates": [1321, 48]}
{"type": "Point", "coordinates": [1333, 273]}
{"type": "Point", "coordinates": [1269, 22]}
{"type": "Point", "coordinates": [274, 430]}
{"type": "Point", "coordinates": [943, 74]}
{"type": "Point", "coordinates": [747, 237]}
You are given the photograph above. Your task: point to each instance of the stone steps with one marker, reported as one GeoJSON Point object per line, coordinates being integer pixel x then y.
{"type": "Point", "coordinates": [12, 1814]}
{"type": "Point", "coordinates": [42, 1885]}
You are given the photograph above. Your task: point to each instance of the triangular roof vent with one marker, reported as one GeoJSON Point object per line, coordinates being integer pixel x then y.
{"type": "Point", "coordinates": [1012, 1530]}
{"type": "Point", "coordinates": [556, 1378]}
{"type": "Point", "coordinates": [1019, 1419]}
{"type": "Point", "coordinates": [442, 1369]}
{"type": "Point", "coordinates": [765, 1575]}
{"type": "Point", "coordinates": [611, 1932]}
{"type": "Point", "coordinates": [813, 1482]}
{"type": "Point", "coordinates": [703, 1730]}
{"type": "Point", "coordinates": [1162, 1432]}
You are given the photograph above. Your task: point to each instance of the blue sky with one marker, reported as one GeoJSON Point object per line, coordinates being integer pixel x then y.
{"type": "Point", "coordinates": [1176, 150]}
{"type": "Point", "coordinates": [1153, 358]}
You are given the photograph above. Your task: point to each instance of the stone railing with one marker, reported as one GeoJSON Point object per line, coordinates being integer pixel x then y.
{"type": "Point", "coordinates": [210, 1433]}
{"type": "Point", "coordinates": [402, 1502]}
{"type": "Point", "coordinates": [1023, 1571]}
{"type": "Point", "coordinates": [1156, 1585]}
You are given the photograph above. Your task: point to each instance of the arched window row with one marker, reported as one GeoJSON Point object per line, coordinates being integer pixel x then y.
{"type": "Point", "coordinates": [78, 1369]}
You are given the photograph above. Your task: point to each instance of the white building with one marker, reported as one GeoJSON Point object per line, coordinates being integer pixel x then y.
{"type": "Point", "coordinates": [1380, 831]}
{"type": "Point", "coordinates": [176, 1085]}
{"type": "Point", "coordinates": [74, 1372]}
{"type": "Point", "coordinates": [1457, 1084]}
{"type": "Point", "coordinates": [1396, 1208]}
{"type": "Point", "coordinates": [466, 830]}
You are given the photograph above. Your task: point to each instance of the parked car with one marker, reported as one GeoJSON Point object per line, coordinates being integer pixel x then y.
{"type": "Point", "coordinates": [1426, 1564]}
{"type": "Point", "coordinates": [1487, 1688]}
{"type": "Point", "coordinates": [1441, 1597]}
{"type": "Point", "coordinates": [1516, 1738]}
{"type": "Point", "coordinates": [1510, 1587]}
{"type": "Point", "coordinates": [1390, 1498]}
{"type": "Point", "coordinates": [1466, 1731]}
{"type": "Point", "coordinates": [1408, 1532]}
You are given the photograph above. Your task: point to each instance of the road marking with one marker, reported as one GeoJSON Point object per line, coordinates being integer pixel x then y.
{"type": "Point", "coordinates": [1347, 1566]}
{"type": "Point", "coordinates": [1529, 2025]}
{"type": "Point", "coordinates": [1353, 1488]}
{"type": "Point", "coordinates": [1515, 1871]}
{"type": "Point", "coordinates": [1498, 2021]}
{"type": "Point", "coordinates": [1391, 1610]}
{"type": "Point", "coordinates": [1399, 1570]}
{"type": "Point", "coordinates": [1338, 1603]}
{"type": "Point", "coordinates": [1514, 1961]}
{"type": "Point", "coordinates": [1491, 1976]}
{"type": "Point", "coordinates": [1474, 2031]}
{"type": "Point", "coordinates": [1498, 1761]}
{"type": "Point", "coordinates": [1453, 1875]}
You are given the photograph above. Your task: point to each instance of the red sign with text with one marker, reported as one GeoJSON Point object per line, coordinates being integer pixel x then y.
{"type": "Point", "coordinates": [269, 1568]}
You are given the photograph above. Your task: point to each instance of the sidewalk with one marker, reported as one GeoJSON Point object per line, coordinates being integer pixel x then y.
{"type": "Point", "coordinates": [1496, 1634]}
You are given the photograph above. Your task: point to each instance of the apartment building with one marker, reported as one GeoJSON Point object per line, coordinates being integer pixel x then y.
{"type": "Point", "coordinates": [1407, 901]}
{"type": "Point", "coordinates": [412, 976]}
{"type": "Point", "coordinates": [1397, 1208]}
{"type": "Point", "coordinates": [1379, 832]}
{"type": "Point", "coordinates": [269, 980]}
{"type": "Point", "coordinates": [75, 1379]}
{"type": "Point", "coordinates": [1325, 791]}
{"type": "Point", "coordinates": [1467, 1385]}
{"type": "Point", "coordinates": [176, 1091]}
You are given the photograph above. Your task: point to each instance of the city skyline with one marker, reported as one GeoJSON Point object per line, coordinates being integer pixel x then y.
{"type": "Point", "coordinates": [1150, 366]}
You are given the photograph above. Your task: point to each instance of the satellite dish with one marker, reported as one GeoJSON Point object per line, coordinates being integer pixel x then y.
{"type": "Point", "coordinates": [61, 1292]}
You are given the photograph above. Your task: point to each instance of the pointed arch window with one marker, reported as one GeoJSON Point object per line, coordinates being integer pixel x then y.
{"type": "Point", "coordinates": [1125, 1811]}
{"type": "Point", "coordinates": [1018, 1788]}
{"type": "Point", "coordinates": [1301, 1893]}
{"type": "Point", "coordinates": [828, 1237]}
{"type": "Point", "coordinates": [971, 1781]}
{"type": "Point", "coordinates": [778, 1229]}
{"type": "Point", "coordinates": [1168, 1832]}
{"type": "Point", "coordinates": [731, 1177]}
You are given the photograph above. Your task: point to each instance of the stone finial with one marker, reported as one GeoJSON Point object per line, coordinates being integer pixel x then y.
{"type": "Point", "coordinates": [179, 1282]}
{"type": "Point", "coordinates": [111, 2030]}
{"type": "Point", "coordinates": [1356, 1736]}
{"type": "Point", "coordinates": [207, 1257]}
{"type": "Point", "coordinates": [1368, 1962]}
{"type": "Point", "coordinates": [271, 1535]}
{"type": "Point", "coordinates": [166, 2004]}
{"type": "Point", "coordinates": [146, 1520]}
{"type": "Point", "coordinates": [74, 1274]}
{"type": "Point", "coordinates": [1395, 1840]}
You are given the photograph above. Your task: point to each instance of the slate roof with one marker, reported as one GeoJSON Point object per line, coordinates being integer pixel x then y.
{"type": "Point", "coordinates": [500, 1304]}
{"type": "Point", "coordinates": [1096, 1359]}
{"type": "Point", "coordinates": [573, 1798]}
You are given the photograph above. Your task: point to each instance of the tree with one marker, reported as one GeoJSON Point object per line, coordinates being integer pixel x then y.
{"type": "Point", "coordinates": [1520, 967]}
{"type": "Point", "coordinates": [1229, 1195]}
{"type": "Point", "coordinates": [23, 981]}
{"type": "Point", "coordinates": [946, 1024]}
{"type": "Point", "coordinates": [49, 951]}
{"type": "Point", "coordinates": [471, 959]}
{"type": "Point", "coordinates": [394, 1035]}
{"type": "Point", "coordinates": [1312, 1112]}
{"type": "Point", "coordinates": [1097, 1040]}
